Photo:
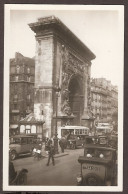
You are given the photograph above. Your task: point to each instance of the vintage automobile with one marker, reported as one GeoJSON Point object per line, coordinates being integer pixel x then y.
{"type": "Point", "coordinates": [21, 144]}
{"type": "Point", "coordinates": [113, 141]}
{"type": "Point", "coordinates": [98, 140]}
{"type": "Point", "coordinates": [103, 130]}
{"type": "Point", "coordinates": [98, 166]}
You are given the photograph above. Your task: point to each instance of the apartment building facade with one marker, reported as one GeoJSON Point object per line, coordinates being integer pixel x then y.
{"type": "Point", "coordinates": [22, 78]}
{"type": "Point", "coordinates": [104, 99]}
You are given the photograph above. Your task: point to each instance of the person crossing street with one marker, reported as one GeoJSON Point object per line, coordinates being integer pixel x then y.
{"type": "Point", "coordinates": [51, 153]}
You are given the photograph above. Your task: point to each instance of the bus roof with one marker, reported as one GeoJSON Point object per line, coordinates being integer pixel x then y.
{"type": "Point", "coordinates": [73, 127]}
{"type": "Point", "coordinates": [104, 124]}
{"type": "Point", "coordinates": [22, 135]}
{"type": "Point", "coordinates": [103, 127]}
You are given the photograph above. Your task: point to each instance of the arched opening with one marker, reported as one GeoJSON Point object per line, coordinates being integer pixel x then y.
{"type": "Point", "coordinates": [76, 99]}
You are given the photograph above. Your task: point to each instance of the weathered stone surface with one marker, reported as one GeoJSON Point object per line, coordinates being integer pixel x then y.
{"type": "Point", "coordinates": [62, 61]}
{"type": "Point", "coordinates": [44, 62]}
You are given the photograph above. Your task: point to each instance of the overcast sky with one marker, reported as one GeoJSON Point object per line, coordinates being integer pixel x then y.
{"type": "Point", "coordinates": [99, 30]}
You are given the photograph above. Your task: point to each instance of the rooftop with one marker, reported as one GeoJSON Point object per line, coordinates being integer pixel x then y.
{"type": "Point", "coordinates": [31, 118]}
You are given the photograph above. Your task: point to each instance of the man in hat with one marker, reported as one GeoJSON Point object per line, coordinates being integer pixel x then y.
{"type": "Point", "coordinates": [51, 153]}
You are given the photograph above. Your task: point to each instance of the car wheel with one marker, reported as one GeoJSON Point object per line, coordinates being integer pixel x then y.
{"type": "Point", "coordinates": [13, 155]}
{"type": "Point", "coordinates": [92, 180]}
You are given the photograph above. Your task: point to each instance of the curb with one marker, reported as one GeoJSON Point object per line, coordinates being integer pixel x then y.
{"type": "Point", "coordinates": [60, 155]}
{"type": "Point", "coordinates": [57, 155]}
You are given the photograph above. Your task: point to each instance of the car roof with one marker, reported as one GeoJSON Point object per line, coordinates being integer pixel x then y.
{"type": "Point", "coordinates": [95, 146]}
{"type": "Point", "coordinates": [73, 127]}
{"type": "Point", "coordinates": [103, 127]}
{"type": "Point", "coordinates": [18, 136]}
{"type": "Point", "coordinates": [95, 137]}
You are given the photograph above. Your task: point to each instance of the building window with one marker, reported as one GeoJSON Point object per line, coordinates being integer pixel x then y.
{"type": "Point", "coordinates": [15, 118]}
{"type": "Point", "coordinates": [28, 78]}
{"type": "Point", "coordinates": [15, 87]}
{"type": "Point", "coordinates": [22, 129]}
{"type": "Point", "coordinates": [16, 78]}
{"type": "Point", "coordinates": [15, 97]}
{"type": "Point", "coordinates": [12, 70]}
{"type": "Point", "coordinates": [27, 131]}
{"type": "Point", "coordinates": [28, 70]}
{"type": "Point", "coordinates": [33, 129]}
{"type": "Point", "coordinates": [28, 97]}
{"type": "Point", "coordinates": [15, 106]}
{"type": "Point", "coordinates": [23, 69]}
{"type": "Point", "coordinates": [28, 101]}
{"type": "Point", "coordinates": [17, 69]}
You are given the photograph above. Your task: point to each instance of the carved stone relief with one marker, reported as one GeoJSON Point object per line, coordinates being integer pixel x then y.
{"type": "Point", "coordinates": [89, 97]}
{"type": "Point", "coordinates": [71, 65]}
{"type": "Point", "coordinates": [66, 108]}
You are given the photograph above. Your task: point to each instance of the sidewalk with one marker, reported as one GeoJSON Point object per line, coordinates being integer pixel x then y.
{"type": "Point", "coordinates": [61, 154]}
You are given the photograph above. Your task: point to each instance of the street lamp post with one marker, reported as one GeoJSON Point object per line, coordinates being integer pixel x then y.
{"type": "Point", "coordinates": [57, 90]}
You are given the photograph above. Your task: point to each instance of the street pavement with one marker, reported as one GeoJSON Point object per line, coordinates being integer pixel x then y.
{"type": "Point", "coordinates": [62, 174]}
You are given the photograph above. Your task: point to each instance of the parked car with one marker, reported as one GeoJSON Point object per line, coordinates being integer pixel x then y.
{"type": "Point", "coordinates": [98, 166]}
{"type": "Point", "coordinates": [113, 141]}
{"type": "Point", "coordinates": [21, 144]}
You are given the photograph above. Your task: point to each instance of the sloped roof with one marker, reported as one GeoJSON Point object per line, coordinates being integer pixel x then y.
{"type": "Point", "coordinates": [31, 118]}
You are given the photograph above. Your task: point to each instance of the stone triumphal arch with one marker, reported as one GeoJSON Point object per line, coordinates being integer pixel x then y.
{"type": "Point", "coordinates": [62, 74]}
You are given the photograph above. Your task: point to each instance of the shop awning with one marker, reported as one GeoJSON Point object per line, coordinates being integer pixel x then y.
{"type": "Point", "coordinates": [13, 126]}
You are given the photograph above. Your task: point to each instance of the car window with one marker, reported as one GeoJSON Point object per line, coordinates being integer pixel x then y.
{"type": "Point", "coordinates": [103, 140]}
{"type": "Point", "coordinates": [30, 140]}
{"type": "Point", "coordinates": [101, 130]}
{"type": "Point", "coordinates": [15, 141]}
{"type": "Point", "coordinates": [89, 152]}
{"type": "Point", "coordinates": [23, 140]}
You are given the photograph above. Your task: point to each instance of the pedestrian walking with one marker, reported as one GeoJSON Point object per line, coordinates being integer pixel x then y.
{"type": "Point", "coordinates": [51, 153]}
{"type": "Point", "coordinates": [61, 143]}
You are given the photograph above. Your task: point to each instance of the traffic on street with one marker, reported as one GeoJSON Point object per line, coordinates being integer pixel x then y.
{"type": "Point", "coordinates": [63, 173]}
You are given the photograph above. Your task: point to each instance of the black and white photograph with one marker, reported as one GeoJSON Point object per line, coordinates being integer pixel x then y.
{"type": "Point", "coordinates": [63, 97]}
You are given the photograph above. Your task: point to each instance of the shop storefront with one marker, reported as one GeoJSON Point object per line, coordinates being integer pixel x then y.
{"type": "Point", "coordinates": [31, 125]}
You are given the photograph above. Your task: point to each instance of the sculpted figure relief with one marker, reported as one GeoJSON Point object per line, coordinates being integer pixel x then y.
{"type": "Point", "coordinates": [75, 64]}
{"type": "Point", "coordinates": [65, 78]}
{"type": "Point", "coordinates": [66, 108]}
